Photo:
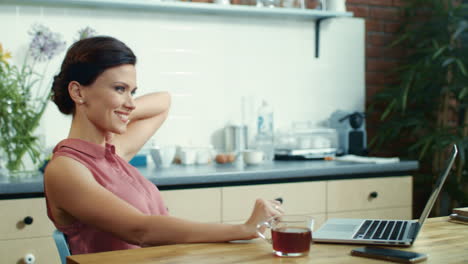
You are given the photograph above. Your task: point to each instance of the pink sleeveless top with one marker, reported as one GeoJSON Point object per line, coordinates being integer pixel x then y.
{"type": "Point", "coordinates": [119, 177]}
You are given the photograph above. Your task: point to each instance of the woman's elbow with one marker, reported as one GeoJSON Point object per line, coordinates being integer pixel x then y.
{"type": "Point", "coordinates": [167, 101]}
{"type": "Point", "coordinates": [142, 233]}
{"type": "Point", "coordinates": [138, 234]}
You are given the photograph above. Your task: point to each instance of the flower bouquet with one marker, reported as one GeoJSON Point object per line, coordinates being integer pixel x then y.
{"type": "Point", "coordinates": [24, 97]}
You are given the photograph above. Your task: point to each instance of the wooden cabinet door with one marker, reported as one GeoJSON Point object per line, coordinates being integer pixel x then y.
{"type": "Point", "coordinates": [298, 198]}
{"type": "Point", "coordinates": [14, 212]}
{"type": "Point", "coordinates": [319, 219]}
{"type": "Point", "coordinates": [44, 250]}
{"type": "Point", "coordinates": [370, 193]}
{"type": "Point", "coordinates": [194, 204]}
{"type": "Point", "coordinates": [403, 213]}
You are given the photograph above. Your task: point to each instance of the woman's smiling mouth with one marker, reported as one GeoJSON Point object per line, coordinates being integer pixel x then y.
{"type": "Point", "coordinates": [123, 116]}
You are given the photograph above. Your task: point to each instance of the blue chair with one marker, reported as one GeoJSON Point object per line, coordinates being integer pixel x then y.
{"type": "Point", "coordinates": [62, 245]}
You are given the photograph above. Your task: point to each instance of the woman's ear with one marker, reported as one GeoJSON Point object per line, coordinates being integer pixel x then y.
{"type": "Point", "coordinates": [76, 92]}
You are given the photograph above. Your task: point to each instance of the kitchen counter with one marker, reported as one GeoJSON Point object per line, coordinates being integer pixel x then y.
{"type": "Point", "coordinates": [180, 176]}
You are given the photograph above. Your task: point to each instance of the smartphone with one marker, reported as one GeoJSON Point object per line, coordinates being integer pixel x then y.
{"type": "Point", "coordinates": [394, 255]}
{"type": "Point", "coordinates": [459, 217]}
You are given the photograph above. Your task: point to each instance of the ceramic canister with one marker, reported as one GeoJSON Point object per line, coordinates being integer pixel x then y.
{"type": "Point", "coordinates": [336, 5]}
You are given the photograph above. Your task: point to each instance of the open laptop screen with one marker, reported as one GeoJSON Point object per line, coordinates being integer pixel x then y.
{"type": "Point", "coordinates": [438, 186]}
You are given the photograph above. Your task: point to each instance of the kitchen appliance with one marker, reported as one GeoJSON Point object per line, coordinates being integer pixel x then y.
{"type": "Point", "coordinates": [313, 143]}
{"type": "Point", "coordinates": [352, 132]}
{"type": "Point", "coordinates": [235, 138]}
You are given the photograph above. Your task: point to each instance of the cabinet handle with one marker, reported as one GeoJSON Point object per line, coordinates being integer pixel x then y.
{"type": "Point", "coordinates": [29, 259]}
{"type": "Point", "coordinates": [373, 194]}
{"type": "Point", "coordinates": [28, 220]}
{"type": "Point", "coordinates": [279, 199]}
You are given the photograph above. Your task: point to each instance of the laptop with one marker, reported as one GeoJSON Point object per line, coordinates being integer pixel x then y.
{"type": "Point", "coordinates": [379, 231]}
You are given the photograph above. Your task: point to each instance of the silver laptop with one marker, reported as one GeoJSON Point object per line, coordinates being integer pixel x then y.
{"type": "Point", "coordinates": [379, 231]}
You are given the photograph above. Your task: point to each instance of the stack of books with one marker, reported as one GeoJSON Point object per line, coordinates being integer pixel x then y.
{"type": "Point", "coordinates": [459, 215]}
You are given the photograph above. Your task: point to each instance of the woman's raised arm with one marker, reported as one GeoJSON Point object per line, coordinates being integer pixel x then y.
{"type": "Point", "coordinates": [150, 112]}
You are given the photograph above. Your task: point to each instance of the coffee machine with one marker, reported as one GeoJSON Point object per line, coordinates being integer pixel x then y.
{"type": "Point", "coordinates": [351, 129]}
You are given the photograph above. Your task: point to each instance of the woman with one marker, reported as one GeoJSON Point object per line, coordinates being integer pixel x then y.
{"type": "Point", "coordinates": [93, 195]}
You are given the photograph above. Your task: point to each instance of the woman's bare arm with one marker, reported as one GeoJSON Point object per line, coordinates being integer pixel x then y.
{"type": "Point", "coordinates": [78, 194]}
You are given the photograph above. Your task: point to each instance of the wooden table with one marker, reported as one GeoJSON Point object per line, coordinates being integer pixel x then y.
{"type": "Point", "coordinates": [443, 241]}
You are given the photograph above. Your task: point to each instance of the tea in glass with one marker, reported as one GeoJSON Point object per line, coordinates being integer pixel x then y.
{"type": "Point", "coordinates": [291, 235]}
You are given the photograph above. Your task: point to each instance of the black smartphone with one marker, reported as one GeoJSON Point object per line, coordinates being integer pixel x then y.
{"type": "Point", "coordinates": [394, 255]}
{"type": "Point", "coordinates": [459, 217]}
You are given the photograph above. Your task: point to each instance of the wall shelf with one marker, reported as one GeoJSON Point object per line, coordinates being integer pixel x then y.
{"type": "Point", "coordinates": [190, 7]}
{"type": "Point", "coordinates": [196, 8]}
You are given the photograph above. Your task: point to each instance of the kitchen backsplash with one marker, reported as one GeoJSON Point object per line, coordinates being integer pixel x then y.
{"type": "Point", "coordinates": [209, 62]}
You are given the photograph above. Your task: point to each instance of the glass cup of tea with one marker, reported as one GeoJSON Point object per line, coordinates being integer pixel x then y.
{"type": "Point", "coordinates": [291, 235]}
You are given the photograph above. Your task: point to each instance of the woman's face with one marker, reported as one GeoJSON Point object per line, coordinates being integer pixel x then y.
{"type": "Point", "coordinates": [109, 100]}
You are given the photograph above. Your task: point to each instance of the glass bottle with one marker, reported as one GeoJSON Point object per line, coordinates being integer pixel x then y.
{"type": "Point", "coordinates": [265, 131]}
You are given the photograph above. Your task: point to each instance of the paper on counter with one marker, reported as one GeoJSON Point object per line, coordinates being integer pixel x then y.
{"type": "Point", "coordinates": [355, 158]}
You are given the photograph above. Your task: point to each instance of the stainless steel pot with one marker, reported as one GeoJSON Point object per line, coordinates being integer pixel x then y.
{"type": "Point", "coordinates": [235, 138]}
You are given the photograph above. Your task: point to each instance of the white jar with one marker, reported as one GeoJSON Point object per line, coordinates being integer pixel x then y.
{"type": "Point", "coordinates": [253, 157]}
{"type": "Point", "coordinates": [336, 5]}
{"type": "Point", "coordinates": [223, 2]}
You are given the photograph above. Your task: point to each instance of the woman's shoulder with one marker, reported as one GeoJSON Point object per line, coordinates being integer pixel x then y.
{"type": "Point", "coordinates": [62, 164]}
{"type": "Point", "coordinates": [69, 155]}
{"type": "Point", "coordinates": [79, 146]}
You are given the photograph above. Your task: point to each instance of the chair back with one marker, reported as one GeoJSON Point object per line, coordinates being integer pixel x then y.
{"type": "Point", "coordinates": [62, 245]}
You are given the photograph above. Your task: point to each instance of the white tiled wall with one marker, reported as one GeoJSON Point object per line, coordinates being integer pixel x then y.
{"type": "Point", "coordinates": [209, 62]}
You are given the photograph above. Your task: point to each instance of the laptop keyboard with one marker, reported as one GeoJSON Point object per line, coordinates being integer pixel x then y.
{"type": "Point", "coordinates": [381, 230]}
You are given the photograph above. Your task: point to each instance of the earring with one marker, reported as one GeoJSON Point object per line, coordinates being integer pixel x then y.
{"type": "Point", "coordinates": [81, 101]}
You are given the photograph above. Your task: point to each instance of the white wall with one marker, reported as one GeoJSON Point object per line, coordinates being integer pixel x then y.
{"type": "Point", "coordinates": [209, 62]}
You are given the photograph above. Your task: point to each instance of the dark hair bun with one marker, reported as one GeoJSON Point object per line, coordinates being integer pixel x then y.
{"type": "Point", "coordinates": [84, 62]}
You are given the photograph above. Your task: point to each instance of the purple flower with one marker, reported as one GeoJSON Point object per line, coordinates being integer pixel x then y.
{"type": "Point", "coordinates": [86, 32]}
{"type": "Point", "coordinates": [45, 44]}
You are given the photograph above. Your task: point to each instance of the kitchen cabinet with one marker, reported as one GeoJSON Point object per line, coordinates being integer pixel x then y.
{"type": "Point", "coordinates": [386, 213]}
{"type": "Point", "coordinates": [389, 197]}
{"type": "Point", "coordinates": [375, 197]}
{"type": "Point", "coordinates": [196, 204]}
{"type": "Point", "coordinates": [235, 204]}
{"type": "Point", "coordinates": [26, 229]}
{"type": "Point", "coordinates": [379, 197]}
{"type": "Point", "coordinates": [302, 198]}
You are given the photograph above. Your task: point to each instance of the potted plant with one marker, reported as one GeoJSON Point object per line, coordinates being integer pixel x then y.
{"type": "Point", "coordinates": [24, 97]}
{"type": "Point", "coordinates": [426, 110]}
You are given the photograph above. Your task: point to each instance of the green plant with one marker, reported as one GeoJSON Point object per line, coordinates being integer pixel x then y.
{"type": "Point", "coordinates": [426, 110]}
{"type": "Point", "coordinates": [23, 98]}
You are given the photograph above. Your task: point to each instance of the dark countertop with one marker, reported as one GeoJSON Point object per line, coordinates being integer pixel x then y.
{"type": "Point", "coordinates": [180, 176]}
